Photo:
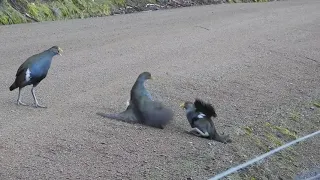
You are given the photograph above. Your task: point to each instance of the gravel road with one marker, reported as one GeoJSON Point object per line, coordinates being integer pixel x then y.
{"type": "Point", "coordinates": [255, 62]}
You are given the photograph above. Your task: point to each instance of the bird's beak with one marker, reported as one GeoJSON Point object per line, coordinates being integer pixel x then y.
{"type": "Point", "coordinates": [60, 51]}
{"type": "Point", "coordinates": [182, 105]}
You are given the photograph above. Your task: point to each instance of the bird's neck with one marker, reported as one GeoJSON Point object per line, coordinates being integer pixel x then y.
{"type": "Point", "coordinates": [190, 109]}
{"type": "Point", "coordinates": [140, 90]}
{"type": "Point", "coordinates": [47, 56]}
{"type": "Point", "coordinates": [50, 53]}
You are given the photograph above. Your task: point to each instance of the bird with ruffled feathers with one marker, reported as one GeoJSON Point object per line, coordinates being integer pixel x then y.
{"type": "Point", "coordinates": [199, 116]}
{"type": "Point", "coordinates": [142, 108]}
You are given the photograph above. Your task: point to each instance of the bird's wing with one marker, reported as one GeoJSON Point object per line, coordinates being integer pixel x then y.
{"type": "Point", "coordinates": [25, 64]}
{"type": "Point", "coordinates": [205, 108]}
{"type": "Point", "coordinates": [203, 125]}
{"type": "Point", "coordinates": [156, 114]}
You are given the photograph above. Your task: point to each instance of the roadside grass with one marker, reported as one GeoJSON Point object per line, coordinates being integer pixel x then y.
{"type": "Point", "coordinates": [23, 11]}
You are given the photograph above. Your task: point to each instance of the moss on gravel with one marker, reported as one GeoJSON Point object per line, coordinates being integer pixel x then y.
{"type": "Point", "coordinates": [283, 130]}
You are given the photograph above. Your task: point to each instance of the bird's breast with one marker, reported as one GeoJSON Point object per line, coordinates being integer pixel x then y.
{"type": "Point", "coordinates": [39, 69]}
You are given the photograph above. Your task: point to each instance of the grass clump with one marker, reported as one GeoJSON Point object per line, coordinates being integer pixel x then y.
{"type": "Point", "coordinates": [8, 15]}
{"type": "Point", "coordinates": [286, 131]}
{"type": "Point", "coordinates": [4, 19]}
{"type": "Point", "coordinates": [295, 116]}
{"type": "Point", "coordinates": [248, 130]}
{"type": "Point", "coordinates": [274, 140]}
{"type": "Point", "coordinates": [68, 9]}
{"type": "Point", "coordinates": [317, 104]}
{"type": "Point", "coordinates": [283, 131]}
{"type": "Point", "coordinates": [53, 10]}
{"type": "Point", "coordinates": [40, 11]}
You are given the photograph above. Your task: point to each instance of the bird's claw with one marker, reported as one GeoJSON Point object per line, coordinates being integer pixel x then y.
{"type": "Point", "coordinates": [39, 106]}
{"type": "Point", "coordinates": [194, 133]}
{"type": "Point", "coordinates": [21, 103]}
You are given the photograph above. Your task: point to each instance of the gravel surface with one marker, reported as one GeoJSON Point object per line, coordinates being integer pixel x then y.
{"type": "Point", "coordinates": [256, 63]}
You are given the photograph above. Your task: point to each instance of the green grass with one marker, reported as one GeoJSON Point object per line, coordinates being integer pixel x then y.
{"type": "Point", "coordinates": [295, 116]}
{"type": "Point", "coordinates": [317, 104]}
{"type": "Point", "coordinates": [45, 10]}
{"type": "Point", "coordinates": [8, 15]}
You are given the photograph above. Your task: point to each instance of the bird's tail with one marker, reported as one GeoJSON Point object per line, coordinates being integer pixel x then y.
{"type": "Point", "coordinates": [13, 86]}
{"type": "Point", "coordinates": [222, 138]}
{"type": "Point", "coordinates": [111, 116]}
{"type": "Point", "coordinates": [125, 116]}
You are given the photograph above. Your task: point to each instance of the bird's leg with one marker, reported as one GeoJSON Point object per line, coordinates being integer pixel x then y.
{"type": "Point", "coordinates": [19, 99]}
{"type": "Point", "coordinates": [35, 99]}
{"type": "Point", "coordinates": [198, 132]}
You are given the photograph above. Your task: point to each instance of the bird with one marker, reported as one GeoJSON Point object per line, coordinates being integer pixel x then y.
{"type": "Point", "coordinates": [199, 114]}
{"type": "Point", "coordinates": [141, 107]}
{"type": "Point", "coordinates": [33, 71]}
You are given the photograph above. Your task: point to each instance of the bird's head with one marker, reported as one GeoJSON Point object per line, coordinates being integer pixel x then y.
{"type": "Point", "coordinates": [56, 50]}
{"type": "Point", "coordinates": [186, 105]}
{"type": "Point", "coordinates": [144, 76]}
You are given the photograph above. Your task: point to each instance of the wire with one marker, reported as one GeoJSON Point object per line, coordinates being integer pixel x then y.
{"type": "Point", "coordinates": [252, 161]}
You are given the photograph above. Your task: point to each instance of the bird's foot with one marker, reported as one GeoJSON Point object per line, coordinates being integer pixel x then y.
{"type": "Point", "coordinates": [195, 133]}
{"type": "Point", "coordinates": [21, 103]}
{"type": "Point", "coordinates": [224, 139]}
{"type": "Point", "coordinates": [39, 106]}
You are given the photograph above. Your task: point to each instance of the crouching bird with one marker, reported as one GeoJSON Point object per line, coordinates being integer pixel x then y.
{"type": "Point", "coordinates": [141, 108]}
{"type": "Point", "coordinates": [33, 71]}
{"type": "Point", "coordinates": [199, 116]}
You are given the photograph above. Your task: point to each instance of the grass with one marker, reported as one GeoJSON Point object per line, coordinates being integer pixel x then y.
{"type": "Point", "coordinates": [248, 130]}
{"type": "Point", "coordinates": [283, 130]}
{"type": "Point", "coordinates": [262, 136]}
{"type": "Point", "coordinates": [317, 104]}
{"type": "Point", "coordinates": [51, 10]}
{"type": "Point", "coordinates": [295, 116]}
{"type": "Point", "coordinates": [8, 15]}
{"type": "Point", "coordinates": [55, 10]}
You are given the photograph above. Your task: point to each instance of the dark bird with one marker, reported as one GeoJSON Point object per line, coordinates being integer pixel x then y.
{"type": "Point", "coordinates": [199, 116]}
{"type": "Point", "coordinates": [142, 109]}
{"type": "Point", "coordinates": [33, 71]}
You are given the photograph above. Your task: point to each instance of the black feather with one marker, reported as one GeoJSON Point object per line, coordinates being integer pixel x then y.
{"type": "Point", "coordinates": [204, 123]}
{"type": "Point", "coordinates": [205, 108]}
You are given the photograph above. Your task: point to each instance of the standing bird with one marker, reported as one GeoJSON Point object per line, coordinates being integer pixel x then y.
{"type": "Point", "coordinates": [199, 116]}
{"type": "Point", "coordinates": [142, 109]}
{"type": "Point", "coordinates": [33, 71]}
